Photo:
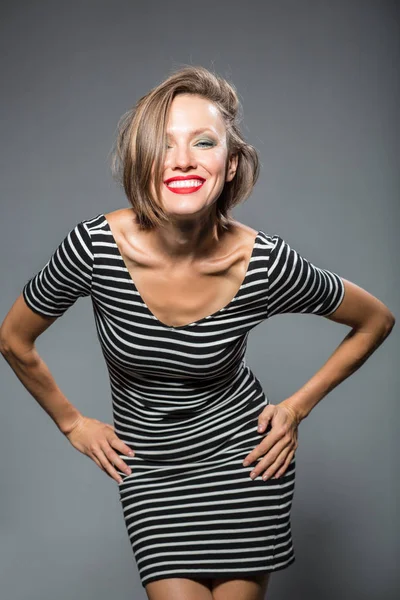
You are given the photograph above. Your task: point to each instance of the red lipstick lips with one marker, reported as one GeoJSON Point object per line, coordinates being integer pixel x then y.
{"type": "Point", "coordinates": [182, 189]}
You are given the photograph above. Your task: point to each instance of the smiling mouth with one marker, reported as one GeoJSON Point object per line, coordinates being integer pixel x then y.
{"type": "Point", "coordinates": [183, 188]}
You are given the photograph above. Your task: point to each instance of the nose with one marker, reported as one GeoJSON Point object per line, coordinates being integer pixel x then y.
{"type": "Point", "coordinates": [182, 157]}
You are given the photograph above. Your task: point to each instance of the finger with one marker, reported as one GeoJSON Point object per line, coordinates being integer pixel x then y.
{"type": "Point", "coordinates": [108, 467]}
{"type": "Point", "coordinates": [96, 460]}
{"type": "Point", "coordinates": [275, 435]}
{"type": "Point", "coordinates": [114, 459]}
{"type": "Point", "coordinates": [265, 417]}
{"type": "Point", "coordinates": [280, 465]}
{"type": "Point", "coordinates": [286, 464]}
{"type": "Point", "coordinates": [118, 444]}
{"type": "Point", "coordinates": [277, 464]}
{"type": "Point", "coordinates": [272, 460]}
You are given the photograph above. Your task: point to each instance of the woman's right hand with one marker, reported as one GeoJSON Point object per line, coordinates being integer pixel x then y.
{"type": "Point", "coordinates": [98, 441]}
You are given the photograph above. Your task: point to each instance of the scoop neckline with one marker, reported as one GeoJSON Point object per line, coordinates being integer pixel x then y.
{"type": "Point", "coordinates": [193, 323]}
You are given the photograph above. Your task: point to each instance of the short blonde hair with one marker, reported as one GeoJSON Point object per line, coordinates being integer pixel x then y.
{"type": "Point", "coordinates": [141, 142]}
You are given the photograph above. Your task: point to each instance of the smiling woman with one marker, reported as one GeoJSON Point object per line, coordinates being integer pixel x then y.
{"type": "Point", "coordinates": [212, 164]}
{"type": "Point", "coordinates": [176, 286]}
{"type": "Point", "coordinates": [206, 124]}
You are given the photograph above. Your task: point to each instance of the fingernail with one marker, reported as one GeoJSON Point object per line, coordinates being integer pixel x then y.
{"type": "Point", "coordinates": [130, 453]}
{"type": "Point", "coordinates": [260, 427]}
{"type": "Point", "coordinates": [253, 475]}
{"type": "Point", "coordinates": [246, 463]}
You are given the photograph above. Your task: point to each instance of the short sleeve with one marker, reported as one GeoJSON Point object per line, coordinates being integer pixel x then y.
{"type": "Point", "coordinates": [297, 286]}
{"type": "Point", "coordinates": [65, 277]}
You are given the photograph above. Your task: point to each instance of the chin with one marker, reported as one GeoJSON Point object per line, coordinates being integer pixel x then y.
{"type": "Point", "coordinates": [187, 210]}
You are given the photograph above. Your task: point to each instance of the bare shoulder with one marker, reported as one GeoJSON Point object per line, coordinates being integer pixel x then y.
{"type": "Point", "coordinates": [123, 225]}
{"type": "Point", "coordinates": [245, 232]}
{"type": "Point", "coordinates": [120, 217]}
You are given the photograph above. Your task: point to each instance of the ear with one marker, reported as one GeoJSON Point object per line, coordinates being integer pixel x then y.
{"type": "Point", "coordinates": [232, 166]}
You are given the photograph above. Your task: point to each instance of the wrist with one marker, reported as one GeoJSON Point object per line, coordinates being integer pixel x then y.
{"type": "Point", "coordinates": [69, 422]}
{"type": "Point", "coordinates": [294, 409]}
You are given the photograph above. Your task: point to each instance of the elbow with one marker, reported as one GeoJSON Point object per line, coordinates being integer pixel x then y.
{"type": "Point", "coordinates": [4, 346]}
{"type": "Point", "coordinates": [385, 324]}
{"type": "Point", "coordinates": [5, 340]}
{"type": "Point", "coordinates": [17, 349]}
{"type": "Point", "coordinates": [390, 321]}
{"type": "Point", "coordinates": [379, 324]}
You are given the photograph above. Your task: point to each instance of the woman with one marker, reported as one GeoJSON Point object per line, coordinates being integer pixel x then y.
{"type": "Point", "coordinates": [177, 285]}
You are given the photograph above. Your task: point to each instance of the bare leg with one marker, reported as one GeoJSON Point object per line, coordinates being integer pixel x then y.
{"type": "Point", "coordinates": [251, 588]}
{"type": "Point", "coordinates": [179, 588]}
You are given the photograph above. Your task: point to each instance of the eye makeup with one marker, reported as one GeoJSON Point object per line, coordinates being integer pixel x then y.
{"type": "Point", "coordinates": [210, 143]}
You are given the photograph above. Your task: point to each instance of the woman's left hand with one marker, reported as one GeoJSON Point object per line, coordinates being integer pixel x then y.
{"type": "Point", "coordinates": [280, 443]}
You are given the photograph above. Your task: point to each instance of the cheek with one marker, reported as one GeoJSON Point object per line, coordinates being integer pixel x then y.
{"type": "Point", "coordinates": [217, 161]}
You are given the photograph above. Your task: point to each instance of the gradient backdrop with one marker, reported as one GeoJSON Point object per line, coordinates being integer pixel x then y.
{"type": "Point", "coordinates": [319, 83]}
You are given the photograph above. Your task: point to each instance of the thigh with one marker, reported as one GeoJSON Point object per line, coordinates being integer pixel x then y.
{"type": "Point", "coordinates": [253, 587]}
{"type": "Point", "coordinates": [179, 588]}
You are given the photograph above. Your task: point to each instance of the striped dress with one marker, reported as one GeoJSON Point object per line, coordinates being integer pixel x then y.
{"type": "Point", "coordinates": [187, 403]}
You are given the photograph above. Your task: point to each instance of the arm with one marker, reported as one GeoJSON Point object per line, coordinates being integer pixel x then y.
{"type": "Point", "coordinates": [371, 323]}
{"type": "Point", "coordinates": [298, 286]}
{"type": "Point", "coordinates": [65, 277]}
{"type": "Point", "coordinates": [18, 333]}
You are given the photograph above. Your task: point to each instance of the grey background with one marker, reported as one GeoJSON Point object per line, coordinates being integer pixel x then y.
{"type": "Point", "coordinates": [319, 83]}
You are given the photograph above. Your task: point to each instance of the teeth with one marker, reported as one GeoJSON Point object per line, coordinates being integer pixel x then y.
{"type": "Point", "coordinates": [187, 183]}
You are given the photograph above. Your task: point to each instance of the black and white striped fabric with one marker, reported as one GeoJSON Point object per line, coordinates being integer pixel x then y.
{"type": "Point", "coordinates": [187, 403]}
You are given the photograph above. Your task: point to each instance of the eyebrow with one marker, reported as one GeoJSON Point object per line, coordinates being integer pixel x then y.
{"type": "Point", "coordinates": [195, 131]}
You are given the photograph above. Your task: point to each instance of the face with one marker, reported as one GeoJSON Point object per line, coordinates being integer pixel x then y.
{"type": "Point", "coordinates": [190, 153]}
